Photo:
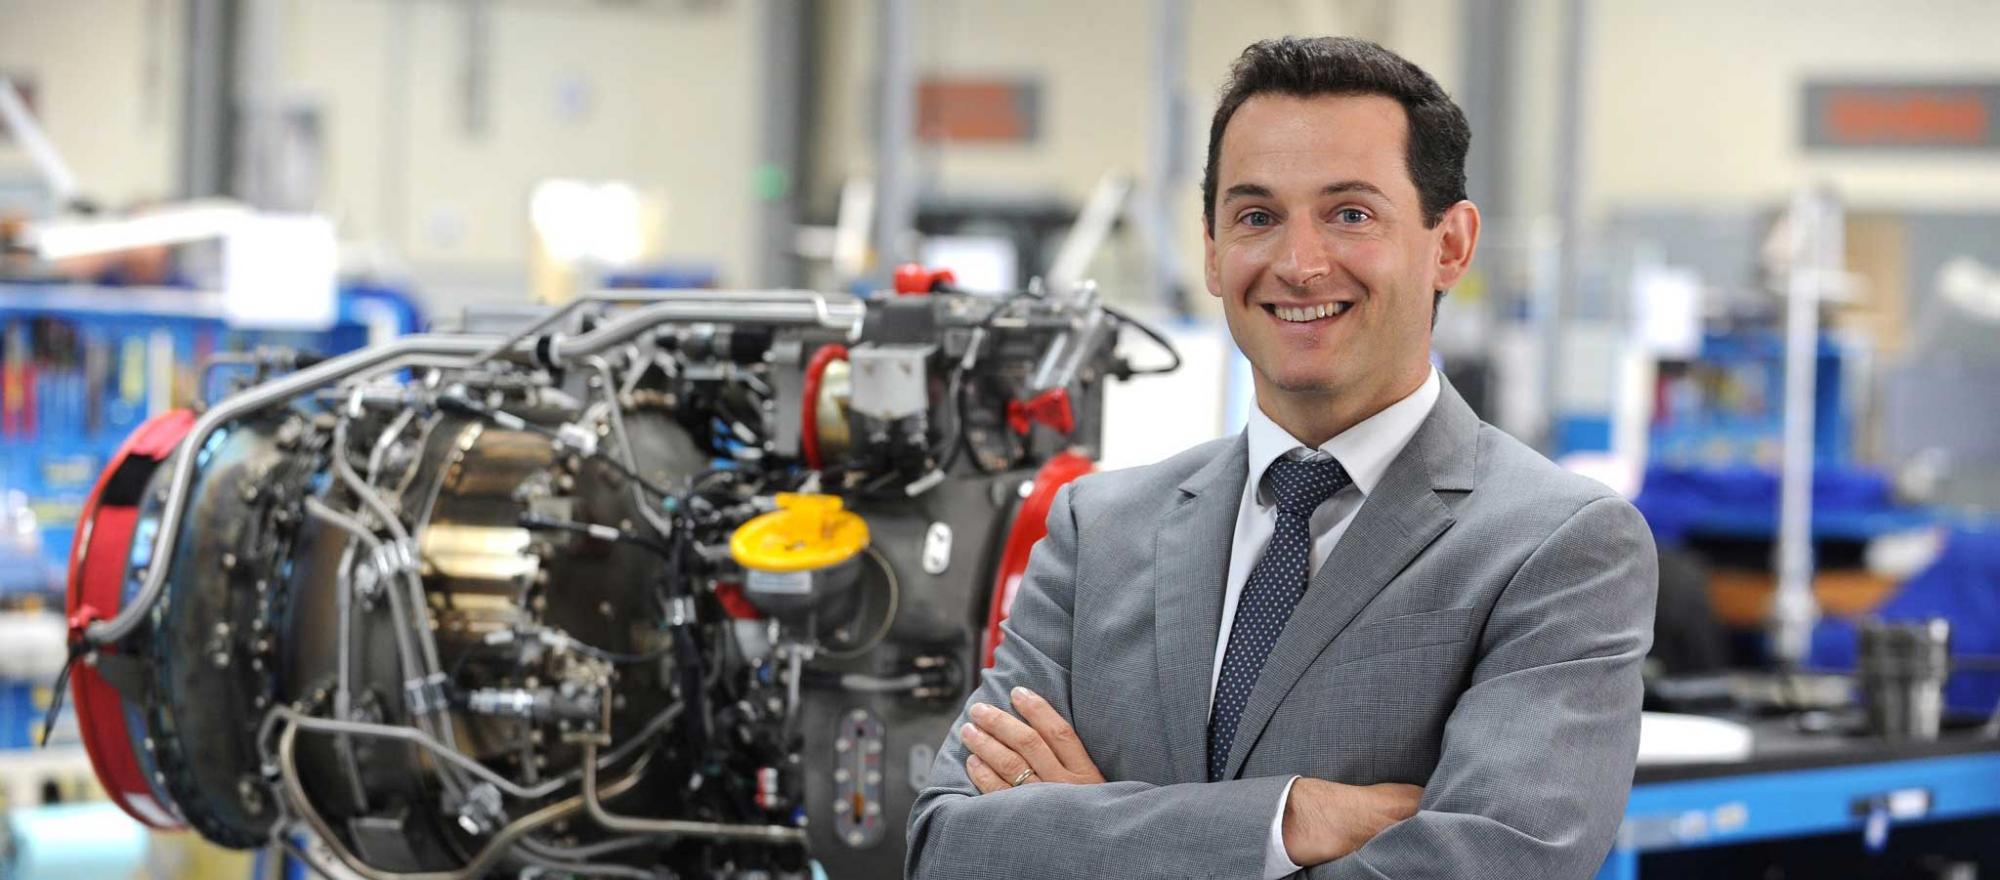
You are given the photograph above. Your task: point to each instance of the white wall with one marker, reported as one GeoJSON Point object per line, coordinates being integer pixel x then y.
{"type": "Point", "coordinates": [1698, 101]}
{"type": "Point", "coordinates": [107, 75]}
{"type": "Point", "coordinates": [659, 95]}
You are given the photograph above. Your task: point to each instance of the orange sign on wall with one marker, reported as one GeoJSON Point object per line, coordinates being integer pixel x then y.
{"type": "Point", "coordinates": [1954, 116]}
{"type": "Point", "coordinates": [978, 111]}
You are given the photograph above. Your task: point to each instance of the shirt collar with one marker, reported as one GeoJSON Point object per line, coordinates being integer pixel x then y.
{"type": "Point", "coordinates": [1364, 450]}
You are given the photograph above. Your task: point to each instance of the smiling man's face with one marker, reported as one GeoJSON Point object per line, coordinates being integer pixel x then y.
{"type": "Point", "coordinates": [1320, 252]}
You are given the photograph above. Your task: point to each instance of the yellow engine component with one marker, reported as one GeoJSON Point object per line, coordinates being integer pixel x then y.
{"type": "Point", "coordinates": [805, 533]}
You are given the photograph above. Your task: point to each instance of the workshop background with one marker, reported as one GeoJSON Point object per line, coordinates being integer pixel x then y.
{"type": "Point", "coordinates": [1741, 262]}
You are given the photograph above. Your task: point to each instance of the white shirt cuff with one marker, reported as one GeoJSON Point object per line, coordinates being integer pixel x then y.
{"type": "Point", "coordinates": [1277, 863]}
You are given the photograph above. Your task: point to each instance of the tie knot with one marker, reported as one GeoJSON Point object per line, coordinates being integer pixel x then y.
{"type": "Point", "coordinates": [1301, 485]}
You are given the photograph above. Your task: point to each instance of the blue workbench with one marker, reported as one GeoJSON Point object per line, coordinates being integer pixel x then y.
{"type": "Point", "coordinates": [1806, 788]}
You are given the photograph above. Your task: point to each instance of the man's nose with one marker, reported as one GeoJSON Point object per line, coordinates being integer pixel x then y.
{"type": "Point", "coordinates": [1306, 256]}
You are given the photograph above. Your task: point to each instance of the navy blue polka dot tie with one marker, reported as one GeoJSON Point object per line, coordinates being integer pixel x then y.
{"type": "Point", "coordinates": [1270, 594]}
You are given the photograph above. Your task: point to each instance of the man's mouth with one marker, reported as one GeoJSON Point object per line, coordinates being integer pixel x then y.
{"type": "Point", "coordinates": [1308, 313]}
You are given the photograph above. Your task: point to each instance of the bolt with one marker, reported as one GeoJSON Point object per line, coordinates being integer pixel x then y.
{"type": "Point", "coordinates": [248, 793]}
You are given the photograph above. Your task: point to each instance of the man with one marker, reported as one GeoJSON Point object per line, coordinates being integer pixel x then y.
{"type": "Point", "coordinates": [1369, 637]}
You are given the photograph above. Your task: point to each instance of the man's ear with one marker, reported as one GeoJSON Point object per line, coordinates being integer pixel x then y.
{"type": "Point", "coordinates": [1210, 271]}
{"type": "Point", "coordinates": [1459, 230]}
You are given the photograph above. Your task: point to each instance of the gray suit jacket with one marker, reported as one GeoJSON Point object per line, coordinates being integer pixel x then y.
{"type": "Point", "coordinates": [1478, 631]}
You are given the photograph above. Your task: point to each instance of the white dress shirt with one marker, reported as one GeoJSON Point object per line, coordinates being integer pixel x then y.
{"type": "Point", "coordinates": [1365, 452]}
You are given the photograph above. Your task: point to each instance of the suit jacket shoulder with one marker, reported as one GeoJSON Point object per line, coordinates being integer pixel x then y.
{"type": "Point", "coordinates": [1141, 490]}
{"type": "Point", "coordinates": [1518, 483]}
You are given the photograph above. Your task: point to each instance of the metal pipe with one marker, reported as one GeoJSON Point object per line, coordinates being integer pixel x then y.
{"type": "Point", "coordinates": [1816, 249]}
{"type": "Point", "coordinates": [344, 596]}
{"type": "Point", "coordinates": [615, 416]}
{"type": "Point", "coordinates": [896, 185]}
{"type": "Point", "coordinates": [388, 355]}
{"type": "Point", "coordinates": [413, 610]}
{"type": "Point", "coordinates": [502, 840]}
{"type": "Point", "coordinates": [844, 315]}
{"type": "Point", "coordinates": [606, 297]}
{"type": "Point", "coordinates": [677, 827]}
{"type": "Point", "coordinates": [805, 308]}
{"type": "Point", "coordinates": [413, 736]}
{"type": "Point", "coordinates": [1571, 171]}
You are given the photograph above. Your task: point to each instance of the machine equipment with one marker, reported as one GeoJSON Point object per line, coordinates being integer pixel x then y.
{"type": "Point", "coordinates": [682, 584]}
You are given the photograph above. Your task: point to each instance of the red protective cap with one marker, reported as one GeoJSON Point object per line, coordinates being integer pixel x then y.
{"type": "Point", "coordinates": [1050, 407]}
{"type": "Point", "coordinates": [913, 279]}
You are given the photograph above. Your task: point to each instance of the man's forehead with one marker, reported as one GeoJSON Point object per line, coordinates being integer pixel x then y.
{"type": "Point", "coordinates": [1347, 135]}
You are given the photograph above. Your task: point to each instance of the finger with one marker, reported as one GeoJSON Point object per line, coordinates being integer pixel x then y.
{"type": "Point", "coordinates": [983, 776]}
{"type": "Point", "coordinates": [1057, 732]}
{"type": "Point", "coordinates": [998, 758]}
{"type": "Point", "coordinates": [1017, 736]}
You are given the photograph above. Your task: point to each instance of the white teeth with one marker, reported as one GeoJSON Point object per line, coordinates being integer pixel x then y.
{"type": "Point", "coordinates": [1303, 314]}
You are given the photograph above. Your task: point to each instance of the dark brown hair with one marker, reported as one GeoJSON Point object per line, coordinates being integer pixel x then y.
{"type": "Point", "coordinates": [1309, 66]}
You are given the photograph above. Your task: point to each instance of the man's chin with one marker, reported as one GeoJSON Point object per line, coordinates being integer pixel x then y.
{"type": "Point", "coordinates": [1307, 386]}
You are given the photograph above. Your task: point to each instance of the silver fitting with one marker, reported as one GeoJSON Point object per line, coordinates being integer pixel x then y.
{"type": "Point", "coordinates": [425, 695]}
{"type": "Point", "coordinates": [480, 811]}
{"type": "Point", "coordinates": [577, 438]}
{"type": "Point", "coordinates": [681, 611]}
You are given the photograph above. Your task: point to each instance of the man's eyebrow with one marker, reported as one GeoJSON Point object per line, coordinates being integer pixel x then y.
{"type": "Point", "coordinates": [1353, 186]}
{"type": "Point", "coordinates": [1246, 191]}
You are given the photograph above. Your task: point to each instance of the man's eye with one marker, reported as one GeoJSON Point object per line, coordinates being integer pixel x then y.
{"type": "Point", "coordinates": [1352, 215]}
{"type": "Point", "coordinates": [1257, 218]}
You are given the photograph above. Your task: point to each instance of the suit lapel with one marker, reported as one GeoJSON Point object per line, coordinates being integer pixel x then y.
{"type": "Point", "coordinates": [1398, 520]}
{"type": "Point", "coordinates": [1191, 555]}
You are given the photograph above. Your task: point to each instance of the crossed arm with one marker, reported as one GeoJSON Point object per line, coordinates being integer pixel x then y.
{"type": "Point", "coordinates": [1106, 829]}
{"type": "Point", "coordinates": [1517, 791]}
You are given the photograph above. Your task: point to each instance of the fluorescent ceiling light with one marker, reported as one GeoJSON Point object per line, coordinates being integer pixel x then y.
{"type": "Point", "coordinates": [191, 221]}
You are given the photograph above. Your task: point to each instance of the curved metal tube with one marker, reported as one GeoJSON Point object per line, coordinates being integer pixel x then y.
{"type": "Point", "coordinates": [501, 841]}
{"type": "Point", "coordinates": [818, 311]}
{"type": "Point", "coordinates": [278, 390]}
{"type": "Point", "coordinates": [677, 827]}
{"type": "Point", "coordinates": [640, 296]}
{"type": "Point", "coordinates": [801, 308]}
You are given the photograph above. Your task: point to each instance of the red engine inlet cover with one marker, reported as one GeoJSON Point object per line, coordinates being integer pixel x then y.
{"type": "Point", "coordinates": [1031, 524]}
{"type": "Point", "coordinates": [99, 555]}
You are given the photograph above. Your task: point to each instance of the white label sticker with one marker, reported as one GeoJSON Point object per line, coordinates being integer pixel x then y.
{"type": "Point", "coordinates": [796, 583]}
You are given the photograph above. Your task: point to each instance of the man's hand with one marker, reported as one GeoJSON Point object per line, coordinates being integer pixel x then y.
{"type": "Point", "coordinates": [1326, 820]}
{"type": "Point", "coordinates": [1003, 746]}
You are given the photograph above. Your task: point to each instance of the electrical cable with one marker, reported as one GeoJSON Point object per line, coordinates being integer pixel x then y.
{"type": "Point", "coordinates": [1155, 335]}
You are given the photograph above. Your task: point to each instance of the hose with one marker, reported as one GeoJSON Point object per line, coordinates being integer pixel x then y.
{"type": "Point", "coordinates": [809, 406]}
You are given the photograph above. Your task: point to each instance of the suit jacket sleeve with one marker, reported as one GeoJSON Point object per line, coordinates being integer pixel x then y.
{"type": "Point", "coordinates": [1055, 831]}
{"type": "Point", "coordinates": [1538, 754]}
